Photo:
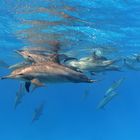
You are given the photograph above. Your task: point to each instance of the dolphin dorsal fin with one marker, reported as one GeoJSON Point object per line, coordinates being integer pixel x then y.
{"type": "Point", "coordinates": [37, 82]}
{"type": "Point", "coordinates": [55, 58]}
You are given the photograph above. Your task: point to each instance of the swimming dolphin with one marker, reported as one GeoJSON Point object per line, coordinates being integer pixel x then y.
{"type": "Point", "coordinates": [132, 59]}
{"type": "Point", "coordinates": [86, 93]}
{"type": "Point", "coordinates": [131, 64]}
{"type": "Point", "coordinates": [38, 112]}
{"type": "Point", "coordinates": [87, 64]}
{"type": "Point", "coordinates": [114, 86]}
{"type": "Point", "coordinates": [109, 68]}
{"type": "Point", "coordinates": [34, 57]}
{"type": "Point", "coordinates": [42, 57]}
{"type": "Point", "coordinates": [31, 57]}
{"type": "Point", "coordinates": [106, 100]}
{"type": "Point", "coordinates": [47, 72]}
{"type": "Point", "coordinates": [19, 95]}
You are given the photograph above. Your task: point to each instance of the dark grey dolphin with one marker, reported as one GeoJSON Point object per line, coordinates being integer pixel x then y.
{"type": "Point", "coordinates": [106, 100]}
{"type": "Point", "coordinates": [114, 86]}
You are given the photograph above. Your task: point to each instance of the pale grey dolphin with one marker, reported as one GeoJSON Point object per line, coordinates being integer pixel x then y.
{"type": "Point", "coordinates": [88, 64]}
{"type": "Point", "coordinates": [114, 86]}
{"type": "Point", "coordinates": [38, 112]}
{"type": "Point", "coordinates": [106, 100]}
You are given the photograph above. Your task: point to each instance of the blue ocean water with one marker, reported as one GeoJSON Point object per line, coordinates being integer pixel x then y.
{"type": "Point", "coordinates": [66, 115]}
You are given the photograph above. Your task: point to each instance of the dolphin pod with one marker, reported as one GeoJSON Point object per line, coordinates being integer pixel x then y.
{"type": "Point", "coordinates": [57, 35]}
{"type": "Point", "coordinates": [40, 67]}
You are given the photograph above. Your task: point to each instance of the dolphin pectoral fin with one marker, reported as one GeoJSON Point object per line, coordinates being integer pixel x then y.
{"type": "Point", "coordinates": [36, 84]}
{"type": "Point", "coordinates": [27, 86]}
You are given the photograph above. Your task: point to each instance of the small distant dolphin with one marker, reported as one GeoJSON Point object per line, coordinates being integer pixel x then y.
{"type": "Point", "coordinates": [109, 68]}
{"type": "Point", "coordinates": [47, 72]}
{"type": "Point", "coordinates": [131, 64]}
{"type": "Point", "coordinates": [86, 93]}
{"type": "Point", "coordinates": [114, 86]}
{"type": "Point", "coordinates": [38, 112]}
{"type": "Point", "coordinates": [106, 100]}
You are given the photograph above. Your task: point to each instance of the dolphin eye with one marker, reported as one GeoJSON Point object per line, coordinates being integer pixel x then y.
{"type": "Point", "coordinates": [30, 57]}
{"type": "Point", "coordinates": [20, 74]}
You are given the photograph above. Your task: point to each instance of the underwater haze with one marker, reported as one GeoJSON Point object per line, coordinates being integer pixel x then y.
{"type": "Point", "coordinates": [72, 111]}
